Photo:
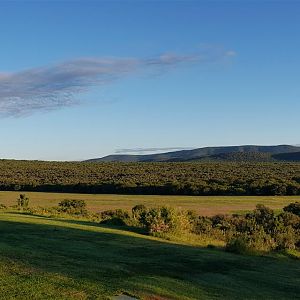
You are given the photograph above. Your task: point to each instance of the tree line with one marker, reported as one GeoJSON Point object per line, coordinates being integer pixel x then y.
{"type": "Point", "coordinates": [197, 178]}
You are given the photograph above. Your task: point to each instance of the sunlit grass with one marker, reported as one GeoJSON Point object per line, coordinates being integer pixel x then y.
{"type": "Point", "coordinates": [204, 205]}
{"type": "Point", "coordinates": [45, 258]}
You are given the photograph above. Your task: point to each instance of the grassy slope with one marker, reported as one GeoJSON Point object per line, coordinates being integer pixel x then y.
{"type": "Point", "coordinates": [43, 258]}
{"type": "Point", "coordinates": [205, 205]}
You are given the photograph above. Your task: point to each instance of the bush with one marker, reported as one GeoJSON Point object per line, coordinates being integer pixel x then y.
{"type": "Point", "coordinates": [264, 217]}
{"type": "Point", "coordinates": [139, 211]}
{"type": "Point", "coordinates": [262, 231]}
{"type": "Point", "coordinates": [221, 222]}
{"type": "Point", "coordinates": [165, 220]}
{"type": "Point", "coordinates": [293, 208]}
{"type": "Point", "coordinates": [2, 206]}
{"type": "Point", "coordinates": [22, 202]}
{"type": "Point", "coordinates": [256, 242]}
{"type": "Point", "coordinates": [286, 239]}
{"type": "Point", "coordinates": [237, 244]}
{"type": "Point", "coordinates": [202, 225]}
{"type": "Point", "coordinates": [288, 219]}
{"type": "Point", "coordinates": [73, 207]}
{"type": "Point", "coordinates": [116, 217]}
{"type": "Point", "coordinates": [41, 211]}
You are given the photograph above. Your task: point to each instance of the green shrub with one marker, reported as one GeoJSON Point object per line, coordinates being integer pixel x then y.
{"type": "Point", "coordinates": [286, 239]}
{"type": "Point", "coordinates": [237, 244]}
{"type": "Point", "coordinates": [73, 207]}
{"type": "Point", "coordinates": [260, 241]}
{"type": "Point", "coordinates": [288, 219]}
{"type": "Point", "coordinates": [221, 222]}
{"type": "Point", "coordinates": [114, 222]}
{"type": "Point", "coordinates": [264, 217]}
{"type": "Point", "coordinates": [256, 242]}
{"type": "Point", "coordinates": [41, 211]}
{"type": "Point", "coordinates": [139, 211]}
{"type": "Point", "coordinates": [118, 217]}
{"type": "Point", "coordinates": [202, 225]}
{"type": "Point", "coordinates": [114, 213]}
{"type": "Point", "coordinates": [22, 202]}
{"type": "Point", "coordinates": [165, 220]}
{"type": "Point", "coordinates": [2, 206]}
{"type": "Point", "coordinates": [293, 208]}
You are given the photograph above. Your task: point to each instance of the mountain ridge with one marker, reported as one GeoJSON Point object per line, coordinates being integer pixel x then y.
{"type": "Point", "coordinates": [207, 153]}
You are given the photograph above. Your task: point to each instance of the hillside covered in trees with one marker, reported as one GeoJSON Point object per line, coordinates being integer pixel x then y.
{"type": "Point", "coordinates": [226, 153]}
{"type": "Point", "coordinates": [189, 178]}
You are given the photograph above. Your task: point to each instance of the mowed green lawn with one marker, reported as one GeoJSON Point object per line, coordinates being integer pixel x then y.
{"type": "Point", "coordinates": [43, 258]}
{"type": "Point", "coordinates": [205, 205]}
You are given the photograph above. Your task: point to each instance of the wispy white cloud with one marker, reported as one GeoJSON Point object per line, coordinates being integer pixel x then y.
{"type": "Point", "coordinates": [53, 87]}
{"type": "Point", "coordinates": [150, 150]}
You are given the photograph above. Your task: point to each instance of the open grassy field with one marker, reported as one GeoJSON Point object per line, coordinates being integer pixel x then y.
{"type": "Point", "coordinates": [43, 258]}
{"type": "Point", "coordinates": [204, 205]}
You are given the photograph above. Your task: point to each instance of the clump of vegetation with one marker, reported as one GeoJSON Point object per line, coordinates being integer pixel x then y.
{"type": "Point", "coordinates": [161, 221]}
{"type": "Point", "coordinates": [73, 207]}
{"type": "Point", "coordinates": [22, 202]}
{"type": "Point", "coordinates": [2, 206]}
{"type": "Point", "coordinates": [256, 232]}
{"type": "Point", "coordinates": [259, 231]}
{"type": "Point", "coordinates": [165, 220]}
{"type": "Point", "coordinates": [293, 208]}
{"type": "Point", "coordinates": [42, 211]}
{"type": "Point", "coordinates": [116, 217]}
{"type": "Point", "coordinates": [263, 231]}
{"type": "Point", "coordinates": [139, 211]}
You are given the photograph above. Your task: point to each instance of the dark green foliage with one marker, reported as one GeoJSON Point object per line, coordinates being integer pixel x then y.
{"type": "Point", "coordinates": [237, 244]}
{"type": "Point", "coordinates": [240, 157]}
{"type": "Point", "coordinates": [251, 242]}
{"type": "Point", "coordinates": [115, 213]}
{"type": "Point", "coordinates": [286, 238]}
{"type": "Point", "coordinates": [289, 219]}
{"type": "Point", "coordinates": [139, 211]}
{"type": "Point", "coordinates": [116, 217]}
{"type": "Point", "coordinates": [263, 216]}
{"type": "Point", "coordinates": [74, 207]}
{"type": "Point", "coordinates": [295, 156]}
{"type": "Point", "coordinates": [22, 202]}
{"type": "Point", "coordinates": [293, 208]}
{"type": "Point", "coordinates": [263, 231]}
{"type": "Point", "coordinates": [203, 178]}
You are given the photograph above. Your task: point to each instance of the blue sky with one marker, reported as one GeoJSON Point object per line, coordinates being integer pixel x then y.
{"type": "Point", "coordinates": [84, 79]}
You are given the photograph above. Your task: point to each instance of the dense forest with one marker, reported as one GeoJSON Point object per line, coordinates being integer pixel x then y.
{"type": "Point", "coordinates": [201, 178]}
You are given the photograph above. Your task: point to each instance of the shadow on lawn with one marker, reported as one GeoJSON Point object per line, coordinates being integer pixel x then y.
{"type": "Point", "coordinates": [119, 260]}
{"type": "Point", "coordinates": [86, 223]}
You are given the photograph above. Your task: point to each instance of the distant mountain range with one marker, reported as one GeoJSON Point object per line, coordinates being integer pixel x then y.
{"type": "Point", "coordinates": [226, 153]}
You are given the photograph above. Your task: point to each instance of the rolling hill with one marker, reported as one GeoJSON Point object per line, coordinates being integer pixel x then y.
{"type": "Point", "coordinates": [227, 153]}
{"type": "Point", "coordinates": [293, 156]}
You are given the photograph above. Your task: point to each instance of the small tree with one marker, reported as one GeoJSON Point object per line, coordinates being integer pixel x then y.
{"type": "Point", "coordinates": [22, 202]}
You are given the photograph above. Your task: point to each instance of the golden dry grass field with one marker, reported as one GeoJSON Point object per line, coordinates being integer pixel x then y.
{"type": "Point", "coordinates": [204, 205]}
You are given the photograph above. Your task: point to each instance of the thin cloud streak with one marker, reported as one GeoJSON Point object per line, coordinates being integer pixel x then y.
{"type": "Point", "coordinates": [54, 87]}
{"type": "Point", "coordinates": [150, 150]}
